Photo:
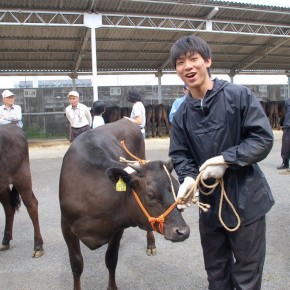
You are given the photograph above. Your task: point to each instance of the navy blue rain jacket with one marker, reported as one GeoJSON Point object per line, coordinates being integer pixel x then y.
{"type": "Point", "coordinates": [228, 121]}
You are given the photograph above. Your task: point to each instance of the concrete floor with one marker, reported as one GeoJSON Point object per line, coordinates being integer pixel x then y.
{"type": "Point", "coordinates": [176, 265]}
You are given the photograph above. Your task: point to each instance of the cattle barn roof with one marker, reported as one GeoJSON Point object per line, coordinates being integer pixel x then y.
{"type": "Point", "coordinates": [54, 37]}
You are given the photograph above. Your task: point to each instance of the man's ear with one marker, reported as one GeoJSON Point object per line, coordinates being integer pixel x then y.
{"type": "Point", "coordinates": [208, 62]}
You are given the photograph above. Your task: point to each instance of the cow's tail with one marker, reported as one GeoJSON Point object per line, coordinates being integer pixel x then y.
{"type": "Point", "coordinates": [15, 198]}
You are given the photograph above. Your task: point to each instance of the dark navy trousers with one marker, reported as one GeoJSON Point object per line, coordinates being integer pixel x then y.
{"type": "Point", "coordinates": [234, 260]}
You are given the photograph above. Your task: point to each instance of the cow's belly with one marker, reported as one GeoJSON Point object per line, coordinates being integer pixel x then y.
{"type": "Point", "coordinates": [95, 232]}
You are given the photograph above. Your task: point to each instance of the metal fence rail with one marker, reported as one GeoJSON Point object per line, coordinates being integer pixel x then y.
{"type": "Point", "coordinates": [45, 124]}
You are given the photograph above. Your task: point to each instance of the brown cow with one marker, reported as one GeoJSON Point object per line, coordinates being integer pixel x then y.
{"type": "Point", "coordinates": [161, 117]}
{"type": "Point", "coordinates": [96, 194]}
{"type": "Point", "coordinates": [15, 180]}
{"type": "Point", "coordinates": [156, 115]}
{"type": "Point", "coordinates": [275, 111]}
{"type": "Point", "coordinates": [150, 120]}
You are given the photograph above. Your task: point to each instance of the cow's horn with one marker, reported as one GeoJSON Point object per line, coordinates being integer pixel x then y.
{"type": "Point", "coordinates": [135, 165]}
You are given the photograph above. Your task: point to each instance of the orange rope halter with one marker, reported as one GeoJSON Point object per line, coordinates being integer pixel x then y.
{"type": "Point", "coordinates": [141, 161]}
{"type": "Point", "coordinates": [152, 220]}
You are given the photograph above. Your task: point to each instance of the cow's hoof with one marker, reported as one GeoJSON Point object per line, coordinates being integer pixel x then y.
{"type": "Point", "coordinates": [4, 247]}
{"type": "Point", "coordinates": [151, 252]}
{"type": "Point", "coordinates": [37, 254]}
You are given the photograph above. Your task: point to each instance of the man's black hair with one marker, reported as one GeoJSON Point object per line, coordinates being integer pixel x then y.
{"type": "Point", "coordinates": [133, 95]}
{"type": "Point", "coordinates": [192, 44]}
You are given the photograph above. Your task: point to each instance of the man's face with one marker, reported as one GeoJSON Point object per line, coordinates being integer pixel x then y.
{"type": "Point", "coordinates": [73, 100]}
{"type": "Point", "coordinates": [192, 69]}
{"type": "Point", "coordinates": [9, 101]}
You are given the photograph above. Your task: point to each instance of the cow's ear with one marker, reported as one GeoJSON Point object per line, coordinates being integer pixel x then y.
{"type": "Point", "coordinates": [115, 174]}
{"type": "Point", "coordinates": [169, 164]}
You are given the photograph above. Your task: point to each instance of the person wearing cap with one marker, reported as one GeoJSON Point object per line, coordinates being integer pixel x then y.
{"type": "Point", "coordinates": [177, 103]}
{"type": "Point", "coordinates": [78, 115]}
{"type": "Point", "coordinates": [9, 112]}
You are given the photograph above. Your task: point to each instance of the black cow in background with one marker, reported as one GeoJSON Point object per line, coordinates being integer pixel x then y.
{"type": "Point", "coordinates": [115, 113]}
{"type": "Point", "coordinates": [150, 120]}
{"type": "Point", "coordinates": [275, 111]}
{"type": "Point", "coordinates": [112, 114]}
{"type": "Point", "coordinates": [156, 118]}
{"type": "Point", "coordinates": [125, 111]}
{"type": "Point", "coordinates": [161, 118]}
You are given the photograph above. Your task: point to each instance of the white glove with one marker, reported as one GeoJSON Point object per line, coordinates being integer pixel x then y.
{"type": "Point", "coordinates": [187, 184]}
{"type": "Point", "coordinates": [213, 171]}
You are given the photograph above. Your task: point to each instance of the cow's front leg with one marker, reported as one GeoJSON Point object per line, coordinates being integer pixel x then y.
{"type": "Point", "coordinates": [112, 259]}
{"type": "Point", "coordinates": [151, 247]}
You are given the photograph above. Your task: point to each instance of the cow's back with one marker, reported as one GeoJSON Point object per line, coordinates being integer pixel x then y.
{"type": "Point", "coordinates": [104, 143]}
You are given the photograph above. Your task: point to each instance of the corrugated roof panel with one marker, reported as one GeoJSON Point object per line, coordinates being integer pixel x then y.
{"type": "Point", "coordinates": [137, 47]}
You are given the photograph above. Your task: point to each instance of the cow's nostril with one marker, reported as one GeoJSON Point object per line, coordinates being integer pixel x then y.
{"type": "Point", "coordinates": [183, 231]}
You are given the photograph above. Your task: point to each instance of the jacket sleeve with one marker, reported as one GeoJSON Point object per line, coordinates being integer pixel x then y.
{"type": "Point", "coordinates": [256, 136]}
{"type": "Point", "coordinates": [179, 151]}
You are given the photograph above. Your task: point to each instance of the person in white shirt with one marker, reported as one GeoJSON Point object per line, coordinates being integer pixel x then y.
{"type": "Point", "coordinates": [98, 110]}
{"type": "Point", "coordinates": [9, 112]}
{"type": "Point", "coordinates": [78, 115]}
{"type": "Point", "coordinates": [138, 115]}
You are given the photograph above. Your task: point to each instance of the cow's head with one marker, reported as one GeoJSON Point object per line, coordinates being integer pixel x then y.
{"type": "Point", "coordinates": [155, 187]}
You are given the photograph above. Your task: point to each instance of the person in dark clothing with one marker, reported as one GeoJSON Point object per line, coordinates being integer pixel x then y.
{"type": "Point", "coordinates": [221, 130]}
{"type": "Point", "coordinates": [285, 149]}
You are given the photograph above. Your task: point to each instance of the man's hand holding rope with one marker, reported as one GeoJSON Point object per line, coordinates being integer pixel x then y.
{"type": "Point", "coordinates": [213, 168]}
{"type": "Point", "coordinates": [184, 188]}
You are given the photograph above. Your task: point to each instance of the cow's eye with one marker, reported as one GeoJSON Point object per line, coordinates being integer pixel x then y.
{"type": "Point", "coordinates": [150, 196]}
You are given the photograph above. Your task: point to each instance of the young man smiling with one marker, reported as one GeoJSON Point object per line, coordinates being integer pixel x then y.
{"type": "Point", "coordinates": [222, 131]}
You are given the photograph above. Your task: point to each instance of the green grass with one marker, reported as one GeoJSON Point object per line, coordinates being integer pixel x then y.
{"type": "Point", "coordinates": [31, 134]}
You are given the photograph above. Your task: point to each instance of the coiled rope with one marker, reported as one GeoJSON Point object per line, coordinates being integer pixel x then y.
{"type": "Point", "coordinates": [218, 182]}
